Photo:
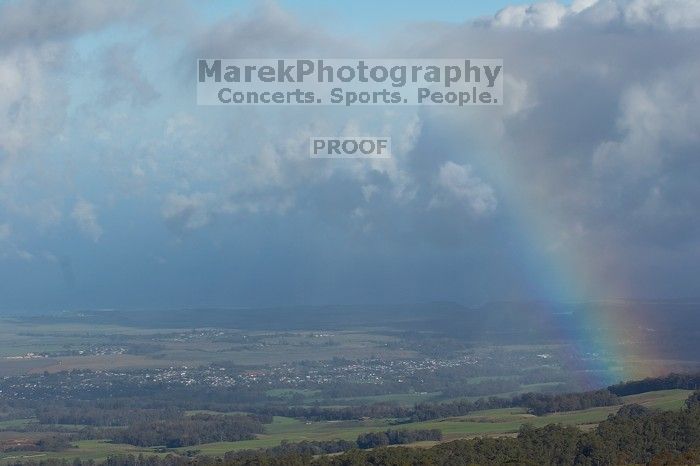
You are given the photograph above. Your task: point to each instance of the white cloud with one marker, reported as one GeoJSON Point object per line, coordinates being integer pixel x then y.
{"type": "Point", "coordinates": [460, 182]}
{"type": "Point", "coordinates": [8, 248]}
{"type": "Point", "coordinates": [31, 108]}
{"type": "Point", "coordinates": [577, 6]}
{"type": "Point", "coordinates": [124, 78]}
{"type": "Point", "coordinates": [188, 211]}
{"type": "Point", "coordinates": [672, 14]}
{"type": "Point", "coordinates": [657, 121]}
{"type": "Point", "coordinates": [5, 231]}
{"type": "Point", "coordinates": [546, 15]}
{"type": "Point", "coordinates": [33, 21]}
{"type": "Point", "coordinates": [85, 219]}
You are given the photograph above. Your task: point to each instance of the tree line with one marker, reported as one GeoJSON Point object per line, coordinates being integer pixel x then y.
{"type": "Point", "coordinates": [669, 382]}
{"type": "Point", "coordinates": [187, 431]}
{"type": "Point", "coordinates": [325, 447]}
{"type": "Point", "coordinates": [397, 437]}
{"type": "Point", "coordinates": [540, 403]}
{"type": "Point", "coordinates": [535, 403]}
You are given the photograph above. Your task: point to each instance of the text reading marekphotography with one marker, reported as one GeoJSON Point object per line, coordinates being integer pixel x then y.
{"type": "Point", "coordinates": [350, 82]}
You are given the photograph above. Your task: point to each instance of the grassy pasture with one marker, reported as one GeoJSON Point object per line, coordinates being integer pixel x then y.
{"type": "Point", "coordinates": [493, 422]}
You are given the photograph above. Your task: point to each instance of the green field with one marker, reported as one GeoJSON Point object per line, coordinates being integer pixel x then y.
{"type": "Point", "coordinates": [494, 422]}
{"type": "Point", "coordinates": [14, 423]}
{"type": "Point", "coordinates": [664, 400]}
{"type": "Point", "coordinates": [490, 422]}
{"type": "Point", "coordinates": [97, 450]}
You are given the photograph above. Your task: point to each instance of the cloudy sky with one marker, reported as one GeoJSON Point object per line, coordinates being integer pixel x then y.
{"type": "Point", "coordinates": [118, 191]}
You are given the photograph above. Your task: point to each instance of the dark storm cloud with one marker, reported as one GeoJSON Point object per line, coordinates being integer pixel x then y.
{"type": "Point", "coordinates": [600, 127]}
{"type": "Point", "coordinates": [606, 135]}
{"type": "Point", "coordinates": [597, 141]}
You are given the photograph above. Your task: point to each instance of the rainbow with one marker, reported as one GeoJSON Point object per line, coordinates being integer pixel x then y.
{"type": "Point", "coordinates": [608, 338]}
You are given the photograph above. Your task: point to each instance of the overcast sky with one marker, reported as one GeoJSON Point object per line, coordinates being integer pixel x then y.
{"type": "Point", "coordinates": [117, 191]}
